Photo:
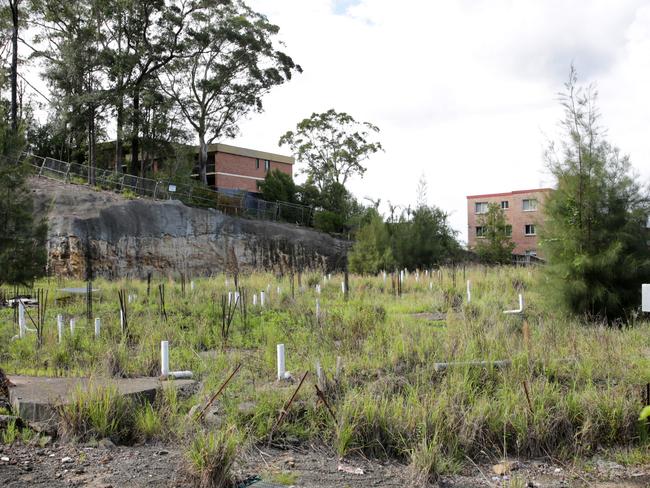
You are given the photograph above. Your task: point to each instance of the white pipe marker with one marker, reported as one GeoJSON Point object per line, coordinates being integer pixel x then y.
{"type": "Point", "coordinates": [645, 298]}
{"type": "Point", "coordinates": [164, 358]}
{"type": "Point", "coordinates": [521, 306]}
{"type": "Point", "coordinates": [59, 327]}
{"type": "Point", "coordinates": [469, 292]}
{"type": "Point", "coordinates": [98, 326]}
{"type": "Point", "coordinates": [22, 326]}
{"type": "Point", "coordinates": [262, 298]}
{"type": "Point", "coordinates": [72, 325]}
{"type": "Point", "coordinates": [281, 363]}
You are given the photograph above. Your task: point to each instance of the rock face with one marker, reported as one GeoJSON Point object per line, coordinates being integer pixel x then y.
{"type": "Point", "coordinates": [115, 237]}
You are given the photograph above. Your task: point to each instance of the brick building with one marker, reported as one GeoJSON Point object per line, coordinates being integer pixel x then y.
{"type": "Point", "coordinates": [238, 168]}
{"type": "Point", "coordinates": [523, 211]}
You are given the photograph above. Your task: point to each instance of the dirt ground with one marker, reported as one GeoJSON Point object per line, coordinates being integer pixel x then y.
{"type": "Point", "coordinates": [163, 466]}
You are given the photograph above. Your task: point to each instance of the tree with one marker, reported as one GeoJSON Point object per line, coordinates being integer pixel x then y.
{"type": "Point", "coordinates": [278, 187]}
{"type": "Point", "coordinates": [496, 246]}
{"type": "Point", "coordinates": [594, 238]}
{"type": "Point", "coordinates": [22, 241]}
{"type": "Point", "coordinates": [233, 64]}
{"type": "Point", "coordinates": [333, 145]}
{"type": "Point", "coordinates": [14, 10]}
{"type": "Point", "coordinates": [371, 252]}
{"type": "Point", "coordinates": [425, 239]}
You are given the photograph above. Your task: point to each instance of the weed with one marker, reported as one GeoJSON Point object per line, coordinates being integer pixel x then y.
{"type": "Point", "coordinates": [210, 457]}
{"type": "Point", "coordinates": [11, 433]}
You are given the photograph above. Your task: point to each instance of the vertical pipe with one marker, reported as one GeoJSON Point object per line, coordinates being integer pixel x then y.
{"type": "Point", "coordinates": [469, 292]}
{"type": "Point", "coordinates": [98, 325]}
{"type": "Point", "coordinates": [59, 327]}
{"type": "Point", "coordinates": [21, 319]}
{"type": "Point", "coordinates": [262, 298]}
{"type": "Point", "coordinates": [72, 324]}
{"type": "Point", "coordinates": [164, 358]}
{"type": "Point", "coordinates": [317, 309]}
{"type": "Point", "coordinates": [281, 363]}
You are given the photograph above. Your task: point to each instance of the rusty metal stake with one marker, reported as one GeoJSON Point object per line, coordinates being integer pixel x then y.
{"type": "Point", "coordinates": [214, 397]}
{"type": "Point", "coordinates": [283, 413]}
{"type": "Point", "coordinates": [321, 397]}
{"type": "Point", "coordinates": [530, 404]}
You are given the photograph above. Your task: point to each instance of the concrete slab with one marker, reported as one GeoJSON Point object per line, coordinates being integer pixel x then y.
{"type": "Point", "coordinates": [33, 398]}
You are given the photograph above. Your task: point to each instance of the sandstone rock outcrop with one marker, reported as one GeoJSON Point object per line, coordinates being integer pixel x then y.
{"type": "Point", "coordinates": [116, 237]}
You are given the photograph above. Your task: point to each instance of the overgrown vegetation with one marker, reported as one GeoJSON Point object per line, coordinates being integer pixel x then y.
{"type": "Point", "coordinates": [572, 386]}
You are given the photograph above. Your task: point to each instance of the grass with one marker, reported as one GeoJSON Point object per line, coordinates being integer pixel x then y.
{"type": "Point", "coordinates": [583, 381]}
{"type": "Point", "coordinates": [210, 457]}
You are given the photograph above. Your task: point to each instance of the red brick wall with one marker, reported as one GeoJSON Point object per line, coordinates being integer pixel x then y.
{"type": "Point", "coordinates": [515, 215]}
{"type": "Point", "coordinates": [234, 164]}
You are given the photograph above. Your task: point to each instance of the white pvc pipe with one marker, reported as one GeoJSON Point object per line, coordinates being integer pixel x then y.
{"type": "Point", "coordinates": [72, 325]}
{"type": "Point", "coordinates": [22, 326]}
{"type": "Point", "coordinates": [255, 299]}
{"type": "Point", "coordinates": [229, 297]}
{"type": "Point", "coordinates": [317, 308]}
{"type": "Point", "coordinates": [98, 326]}
{"type": "Point", "coordinates": [469, 292]}
{"type": "Point", "coordinates": [521, 306]}
{"type": "Point", "coordinates": [121, 320]}
{"type": "Point", "coordinates": [318, 288]}
{"type": "Point", "coordinates": [645, 298]}
{"type": "Point", "coordinates": [59, 326]}
{"type": "Point", "coordinates": [192, 285]}
{"type": "Point", "coordinates": [262, 298]}
{"type": "Point", "coordinates": [236, 297]}
{"type": "Point", "coordinates": [279, 291]}
{"type": "Point", "coordinates": [180, 375]}
{"type": "Point", "coordinates": [281, 363]}
{"type": "Point", "coordinates": [342, 286]}
{"type": "Point", "coordinates": [164, 358]}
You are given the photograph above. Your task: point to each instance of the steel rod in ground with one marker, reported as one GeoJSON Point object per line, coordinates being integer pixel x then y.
{"type": "Point", "coordinates": [214, 397]}
{"type": "Point", "coordinates": [283, 413]}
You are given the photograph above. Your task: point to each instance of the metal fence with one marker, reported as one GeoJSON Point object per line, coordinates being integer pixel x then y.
{"type": "Point", "coordinates": [238, 203]}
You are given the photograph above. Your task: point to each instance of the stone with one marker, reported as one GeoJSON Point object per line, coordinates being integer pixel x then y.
{"type": "Point", "coordinates": [66, 460]}
{"type": "Point", "coordinates": [4, 459]}
{"type": "Point", "coordinates": [106, 444]}
{"type": "Point", "coordinates": [134, 237]}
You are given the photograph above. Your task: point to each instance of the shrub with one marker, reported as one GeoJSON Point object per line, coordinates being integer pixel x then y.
{"type": "Point", "coordinates": [211, 456]}
{"type": "Point", "coordinates": [97, 412]}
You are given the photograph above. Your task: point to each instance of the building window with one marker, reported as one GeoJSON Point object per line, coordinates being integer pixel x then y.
{"type": "Point", "coordinates": [257, 163]}
{"type": "Point", "coordinates": [529, 230]}
{"type": "Point", "coordinates": [505, 205]}
{"type": "Point", "coordinates": [481, 207]}
{"type": "Point", "coordinates": [267, 165]}
{"type": "Point", "coordinates": [508, 230]}
{"type": "Point", "coordinates": [530, 252]}
{"type": "Point", "coordinates": [480, 231]}
{"type": "Point", "coordinates": [530, 205]}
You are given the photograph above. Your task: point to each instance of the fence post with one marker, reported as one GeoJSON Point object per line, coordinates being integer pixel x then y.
{"type": "Point", "coordinates": [67, 173]}
{"type": "Point", "coordinates": [155, 189]}
{"type": "Point", "coordinates": [40, 171]}
{"type": "Point", "coordinates": [122, 182]}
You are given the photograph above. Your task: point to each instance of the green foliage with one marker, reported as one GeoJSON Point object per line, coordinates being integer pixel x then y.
{"type": "Point", "coordinates": [278, 187]}
{"type": "Point", "coordinates": [332, 145]}
{"type": "Point", "coordinates": [22, 241]}
{"type": "Point", "coordinates": [10, 434]}
{"type": "Point", "coordinates": [424, 240]}
{"type": "Point", "coordinates": [496, 246]}
{"type": "Point", "coordinates": [595, 238]}
{"type": "Point", "coordinates": [97, 412]}
{"type": "Point", "coordinates": [211, 456]}
{"type": "Point", "coordinates": [372, 251]}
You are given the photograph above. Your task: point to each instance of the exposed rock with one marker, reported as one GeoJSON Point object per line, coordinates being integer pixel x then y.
{"type": "Point", "coordinates": [130, 238]}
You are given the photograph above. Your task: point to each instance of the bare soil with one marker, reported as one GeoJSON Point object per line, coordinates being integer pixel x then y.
{"type": "Point", "coordinates": [163, 466]}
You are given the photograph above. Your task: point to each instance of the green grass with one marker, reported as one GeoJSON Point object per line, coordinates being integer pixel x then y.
{"type": "Point", "coordinates": [584, 380]}
{"type": "Point", "coordinates": [210, 457]}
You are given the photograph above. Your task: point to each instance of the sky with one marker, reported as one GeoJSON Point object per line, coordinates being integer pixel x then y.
{"type": "Point", "coordinates": [465, 92]}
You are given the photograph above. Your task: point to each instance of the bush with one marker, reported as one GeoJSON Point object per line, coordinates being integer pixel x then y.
{"type": "Point", "coordinates": [97, 412]}
{"type": "Point", "coordinates": [211, 456]}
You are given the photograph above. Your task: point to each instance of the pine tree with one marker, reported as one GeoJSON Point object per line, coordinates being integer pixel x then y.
{"type": "Point", "coordinates": [595, 236]}
{"type": "Point", "coordinates": [22, 240]}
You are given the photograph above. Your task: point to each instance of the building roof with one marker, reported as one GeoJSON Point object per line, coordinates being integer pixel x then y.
{"type": "Point", "coordinates": [250, 153]}
{"type": "Point", "coordinates": [516, 192]}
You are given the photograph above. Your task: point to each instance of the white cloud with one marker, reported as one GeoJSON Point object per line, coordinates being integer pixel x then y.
{"type": "Point", "coordinates": [464, 91]}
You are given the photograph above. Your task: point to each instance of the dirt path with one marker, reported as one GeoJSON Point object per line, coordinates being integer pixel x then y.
{"type": "Point", "coordinates": [162, 466]}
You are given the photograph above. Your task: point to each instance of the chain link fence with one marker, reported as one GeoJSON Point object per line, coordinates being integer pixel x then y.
{"type": "Point", "coordinates": [236, 203]}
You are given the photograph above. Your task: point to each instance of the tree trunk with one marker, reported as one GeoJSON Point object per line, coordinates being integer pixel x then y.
{"type": "Point", "coordinates": [119, 137]}
{"type": "Point", "coordinates": [14, 65]}
{"type": "Point", "coordinates": [92, 155]}
{"type": "Point", "coordinates": [203, 159]}
{"type": "Point", "coordinates": [135, 138]}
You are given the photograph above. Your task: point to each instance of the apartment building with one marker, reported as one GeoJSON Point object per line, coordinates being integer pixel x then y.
{"type": "Point", "coordinates": [523, 212]}
{"type": "Point", "coordinates": [238, 168]}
